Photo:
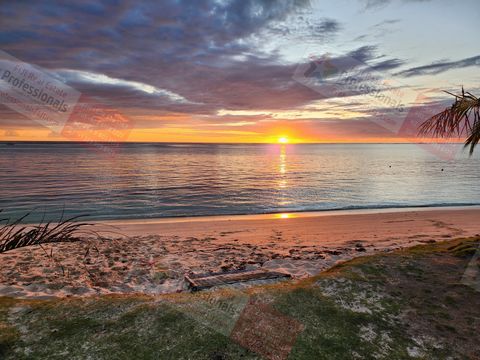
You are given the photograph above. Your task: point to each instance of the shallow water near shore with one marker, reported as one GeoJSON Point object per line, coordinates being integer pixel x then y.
{"type": "Point", "coordinates": [138, 182]}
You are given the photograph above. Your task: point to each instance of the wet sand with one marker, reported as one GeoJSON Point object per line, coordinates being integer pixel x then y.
{"type": "Point", "coordinates": [152, 256]}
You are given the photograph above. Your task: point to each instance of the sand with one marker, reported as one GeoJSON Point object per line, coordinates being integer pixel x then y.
{"type": "Point", "coordinates": [152, 256]}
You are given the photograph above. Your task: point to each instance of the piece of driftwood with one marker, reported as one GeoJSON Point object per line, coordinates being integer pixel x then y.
{"type": "Point", "coordinates": [204, 281]}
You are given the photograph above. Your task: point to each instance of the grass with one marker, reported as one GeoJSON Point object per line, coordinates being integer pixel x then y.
{"type": "Point", "coordinates": [402, 305]}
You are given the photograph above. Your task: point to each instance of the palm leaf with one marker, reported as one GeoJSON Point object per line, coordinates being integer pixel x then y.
{"type": "Point", "coordinates": [462, 118]}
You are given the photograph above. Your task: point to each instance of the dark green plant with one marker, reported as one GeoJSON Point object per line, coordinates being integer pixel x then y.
{"type": "Point", "coordinates": [14, 234]}
{"type": "Point", "coordinates": [460, 119]}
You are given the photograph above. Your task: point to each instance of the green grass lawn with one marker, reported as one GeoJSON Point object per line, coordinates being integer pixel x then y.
{"type": "Point", "coordinates": [406, 304]}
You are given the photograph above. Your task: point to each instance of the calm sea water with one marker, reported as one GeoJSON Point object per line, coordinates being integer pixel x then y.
{"type": "Point", "coordinates": [159, 180]}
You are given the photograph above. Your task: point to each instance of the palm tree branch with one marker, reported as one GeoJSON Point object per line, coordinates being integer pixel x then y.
{"type": "Point", "coordinates": [462, 117]}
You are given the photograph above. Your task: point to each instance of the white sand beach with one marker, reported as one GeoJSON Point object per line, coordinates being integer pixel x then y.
{"type": "Point", "coordinates": [152, 256]}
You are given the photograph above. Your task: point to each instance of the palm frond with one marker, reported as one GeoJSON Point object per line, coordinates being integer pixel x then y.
{"type": "Point", "coordinates": [462, 118]}
{"type": "Point", "coordinates": [474, 136]}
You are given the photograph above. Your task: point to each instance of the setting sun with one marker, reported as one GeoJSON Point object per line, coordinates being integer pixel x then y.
{"type": "Point", "coordinates": [283, 140]}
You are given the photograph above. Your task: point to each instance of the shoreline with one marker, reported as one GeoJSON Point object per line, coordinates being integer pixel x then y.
{"type": "Point", "coordinates": [270, 215]}
{"type": "Point", "coordinates": [284, 214]}
{"type": "Point", "coordinates": [152, 257]}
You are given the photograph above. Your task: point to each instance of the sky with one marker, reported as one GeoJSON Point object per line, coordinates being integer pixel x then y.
{"type": "Point", "coordinates": [237, 70]}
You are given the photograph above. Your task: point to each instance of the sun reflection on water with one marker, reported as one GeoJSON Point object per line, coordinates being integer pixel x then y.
{"type": "Point", "coordinates": [283, 159]}
{"type": "Point", "coordinates": [282, 182]}
{"type": "Point", "coordinates": [284, 216]}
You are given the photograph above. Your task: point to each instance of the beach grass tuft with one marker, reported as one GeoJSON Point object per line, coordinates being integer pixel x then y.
{"type": "Point", "coordinates": [14, 235]}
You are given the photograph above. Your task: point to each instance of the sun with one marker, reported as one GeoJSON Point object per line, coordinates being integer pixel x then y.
{"type": "Point", "coordinates": [283, 140]}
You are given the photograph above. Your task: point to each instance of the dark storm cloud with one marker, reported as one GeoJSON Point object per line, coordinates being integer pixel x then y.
{"type": "Point", "coordinates": [177, 28]}
{"type": "Point", "coordinates": [200, 50]}
{"type": "Point", "coordinates": [363, 53]}
{"type": "Point", "coordinates": [359, 72]}
{"type": "Point", "coordinates": [174, 29]}
{"type": "Point", "coordinates": [326, 26]}
{"type": "Point", "coordinates": [203, 53]}
{"type": "Point", "coordinates": [387, 65]}
{"type": "Point", "coordinates": [440, 67]}
{"type": "Point", "coordinates": [368, 53]}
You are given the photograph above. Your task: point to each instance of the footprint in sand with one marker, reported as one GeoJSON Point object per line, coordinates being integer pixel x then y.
{"type": "Point", "coordinates": [277, 235]}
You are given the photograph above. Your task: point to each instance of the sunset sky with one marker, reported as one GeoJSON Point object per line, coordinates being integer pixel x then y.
{"type": "Point", "coordinates": [223, 71]}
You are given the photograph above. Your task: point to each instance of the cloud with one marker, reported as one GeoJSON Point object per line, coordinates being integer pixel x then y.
{"type": "Point", "coordinates": [183, 62]}
{"type": "Point", "coordinates": [177, 55]}
{"type": "Point", "coordinates": [372, 4]}
{"type": "Point", "coordinates": [327, 26]}
{"type": "Point", "coordinates": [363, 53]}
{"type": "Point", "coordinates": [302, 28]}
{"type": "Point", "coordinates": [388, 64]}
{"type": "Point", "coordinates": [386, 23]}
{"type": "Point", "coordinates": [439, 67]}
{"type": "Point", "coordinates": [376, 4]}
{"type": "Point", "coordinates": [368, 55]}
{"type": "Point", "coordinates": [176, 29]}
{"type": "Point", "coordinates": [77, 76]}
{"type": "Point", "coordinates": [53, 135]}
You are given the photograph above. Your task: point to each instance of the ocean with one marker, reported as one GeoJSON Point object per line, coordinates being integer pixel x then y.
{"type": "Point", "coordinates": [151, 180]}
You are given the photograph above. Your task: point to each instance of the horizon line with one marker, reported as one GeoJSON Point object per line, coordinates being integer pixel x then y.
{"type": "Point", "coordinates": [221, 143]}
